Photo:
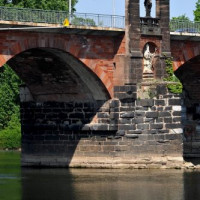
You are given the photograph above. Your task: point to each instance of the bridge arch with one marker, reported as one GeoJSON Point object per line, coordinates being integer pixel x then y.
{"type": "Point", "coordinates": [54, 75]}
{"type": "Point", "coordinates": [78, 46]}
{"type": "Point", "coordinates": [189, 75]}
{"type": "Point", "coordinates": [183, 52]}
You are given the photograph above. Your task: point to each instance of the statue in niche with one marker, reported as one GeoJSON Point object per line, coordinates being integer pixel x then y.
{"type": "Point", "coordinates": [148, 59]}
{"type": "Point", "coordinates": [148, 6]}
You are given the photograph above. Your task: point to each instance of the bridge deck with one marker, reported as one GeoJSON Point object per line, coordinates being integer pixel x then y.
{"type": "Point", "coordinates": [82, 30]}
{"type": "Point", "coordinates": [57, 28]}
{"type": "Point", "coordinates": [185, 36]}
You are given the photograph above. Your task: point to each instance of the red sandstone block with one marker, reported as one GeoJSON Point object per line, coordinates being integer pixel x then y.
{"type": "Point", "coordinates": [196, 51]}
{"type": "Point", "coordinates": [2, 60]}
{"type": "Point", "coordinates": [98, 70]}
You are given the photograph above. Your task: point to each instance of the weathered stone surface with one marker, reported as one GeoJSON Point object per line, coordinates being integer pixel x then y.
{"type": "Point", "coordinates": [177, 119]}
{"type": "Point", "coordinates": [152, 132]}
{"type": "Point", "coordinates": [164, 114]}
{"type": "Point", "coordinates": [152, 114]}
{"type": "Point", "coordinates": [160, 102]}
{"type": "Point", "coordinates": [139, 120]}
{"type": "Point", "coordinates": [120, 133]}
{"type": "Point", "coordinates": [145, 102]}
{"type": "Point", "coordinates": [176, 108]}
{"type": "Point", "coordinates": [133, 136]}
{"type": "Point", "coordinates": [126, 126]}
{"type": "Point", "coordinates": [143, 126]}
{"type": "Point", "coordinates": [114, 103]}
{"type": "Point", "coordinates": [139, 113]}
{"type": "Point", "coordinates": [125, 121]}
{"type": "Point", "coordinates": [127, 115]}
{"type": "Point", "coordinates": [168, 119]}
{"type": "Point", "coordinates": [161, 89]}
{"type": "Point", "coordinates": [156, 126]}
{"type": "Point", "coordinates": [172, 126]}
{"type": "Point", "coordinates": [149, 120]}
{"type": "Point", "coordinates": [177, 113]}
{"type": "Point", "coordinates": [103, 115]}
{"type": "Point", "coordinates": [174, 102]}
{"type": "Point", "coordinates": [134, 131]}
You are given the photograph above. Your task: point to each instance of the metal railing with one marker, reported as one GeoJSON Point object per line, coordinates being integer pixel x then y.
{"type": "Point", "coordinates": [184, 26]}
{"type": "Point", "coordinates": [87, 19]}
{"type": "Point", "coordinates": [58, 17]}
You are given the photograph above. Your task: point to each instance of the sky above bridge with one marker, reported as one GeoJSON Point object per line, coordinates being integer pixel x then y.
{"type": "Point", "coordinates": [178, 7]}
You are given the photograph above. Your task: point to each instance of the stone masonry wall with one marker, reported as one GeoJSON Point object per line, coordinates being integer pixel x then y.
{"type": "Point", "coordinates": [122, 132]}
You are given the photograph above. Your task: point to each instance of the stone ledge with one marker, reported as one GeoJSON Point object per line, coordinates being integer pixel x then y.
{"type": "Point", "coordinates": [168, 162]}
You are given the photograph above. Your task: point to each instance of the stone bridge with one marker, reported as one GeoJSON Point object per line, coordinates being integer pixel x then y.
{"type": "Point", "coordinates": [95, 97]}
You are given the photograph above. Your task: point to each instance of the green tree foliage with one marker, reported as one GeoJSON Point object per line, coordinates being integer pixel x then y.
{"type": "Point", "coordinates": [197, 11]}
{"type": "Point", "coordinates": [9, 108]}
{"type": "Point", "coordinates": [181, 18]}
{"type": "Point", "coordinates": [10, 137]}
{"type": "Point", "coordinates": [176, 86]}
{"type": "Point", "coordinates": [9, 95]}
{"type": "Point", "coordinates": [83, 22]}
{"type": "Point", "coordinates": [40, 4]}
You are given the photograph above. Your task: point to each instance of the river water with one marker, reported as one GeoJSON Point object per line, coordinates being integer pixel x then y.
{"type": "Point", "coordinates": [18, 183]}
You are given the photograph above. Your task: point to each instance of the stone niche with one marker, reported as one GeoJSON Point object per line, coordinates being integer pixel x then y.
{"type": "Point", "coordinates": [149, 52]}
{"type": "Point", "coordinates": [147, 88]}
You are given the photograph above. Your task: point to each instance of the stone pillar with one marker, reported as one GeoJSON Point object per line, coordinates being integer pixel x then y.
{"type": "Point", "coordinates": [162, 12]}
{"type": "Point", "coordinates": [133, 67]}
{"type": "Point", "coordinates": [164, 24]}
{"type": "Point", "coordinates": [157, 8]}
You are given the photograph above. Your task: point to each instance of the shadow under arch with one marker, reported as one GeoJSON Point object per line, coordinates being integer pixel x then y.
{"type": "Point", "coordinates": [189, 75]}
{"type": "Point", "coordinates": [60, 101]}
{"type": "Point", "coordinates": [50, 70]}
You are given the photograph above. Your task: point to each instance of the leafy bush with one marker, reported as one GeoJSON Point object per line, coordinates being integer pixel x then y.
{"type": "Point", "coordinates": [10, 131]}
{"type": "Point", "coordinates": [10, 137]}
{"type": "Point", "coordinates": [9, 95]}
{"type": "Point", "coordinates": [176, 86]}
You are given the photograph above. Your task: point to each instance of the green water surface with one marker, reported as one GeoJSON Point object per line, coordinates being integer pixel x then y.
{"type": "Point", "coordinates": [18, 183]}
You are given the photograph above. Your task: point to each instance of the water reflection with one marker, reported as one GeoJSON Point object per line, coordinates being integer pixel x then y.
{"type": "Point", "coordinates": [86, 184]}
{"type": "Point", "coordinates": [47, 184]}
{"type": "Point", "coordinates": [191, 185]}
{"type": "Point", "coordinates": [94, 184]}
{"type": "Point", "coordinates": [10, 176]}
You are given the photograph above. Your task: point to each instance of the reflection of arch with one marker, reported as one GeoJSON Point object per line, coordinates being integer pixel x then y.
{"type": "Point", "coordinates": [72, 45]}
{"type": "Point", "coordinates": [52, 74]}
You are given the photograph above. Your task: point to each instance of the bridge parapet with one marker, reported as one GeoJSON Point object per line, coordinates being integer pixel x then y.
{"type": "Point", "coordinates": [55, 17]}
{"type": "Point", "coordinates": [58, 17]}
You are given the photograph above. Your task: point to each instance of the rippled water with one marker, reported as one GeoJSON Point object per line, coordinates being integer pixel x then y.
{"type": "Point", "coordinates": [94, 184]}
